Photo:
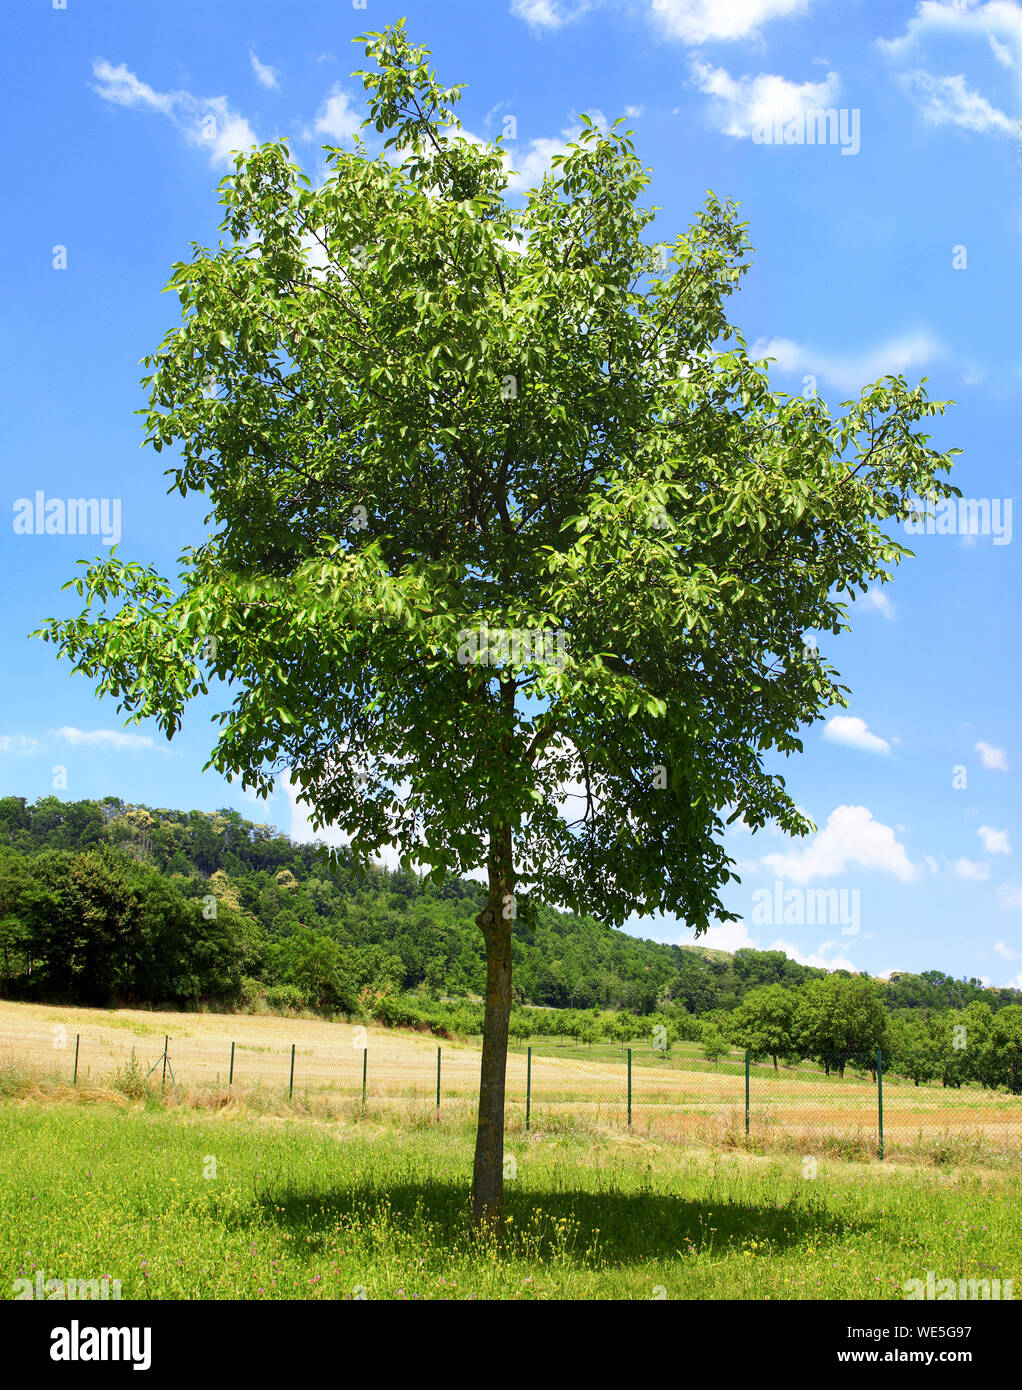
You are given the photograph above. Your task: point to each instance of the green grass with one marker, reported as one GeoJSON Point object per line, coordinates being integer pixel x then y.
{"type": "Point", "coordinates": [305, 1210]}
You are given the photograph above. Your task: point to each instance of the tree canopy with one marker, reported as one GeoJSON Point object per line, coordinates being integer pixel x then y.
{"type": "Point", "coordinates": [514, 550]}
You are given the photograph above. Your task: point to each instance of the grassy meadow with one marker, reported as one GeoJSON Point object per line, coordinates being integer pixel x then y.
{"type": "Point", "coordinates": [200, 1190]}
{"type": "Point", "coordinates": [180, 1201]}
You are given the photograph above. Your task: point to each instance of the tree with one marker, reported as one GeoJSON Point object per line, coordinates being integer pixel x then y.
{"type": "Point", "coordinates": [501, 506]}
{"type": "Point", "coordinates": [1003, 1048]}
{"type": "Point", "coordinates": [24, 904]}
{"type": "Point", "coordinates": [116, 930]}
{"type": "Point", "coordinates": [312, 961]}
{"type": "Point", "coordinates": [978, 1020]}
{"type": "Point", "coordinates": [959, 1037]}
{"type": "Point", "coordinates": [914, 1050]}
{"type": "Point", "coordinates": [764, 1022]}
{"type": "Point", "coordinates": [841, 1017]}
{"type": "Point", "coordinates": [714, 1046]}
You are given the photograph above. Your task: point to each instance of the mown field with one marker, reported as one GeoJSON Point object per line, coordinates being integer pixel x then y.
{"type": "Point", "coordinates": [680, 1099]}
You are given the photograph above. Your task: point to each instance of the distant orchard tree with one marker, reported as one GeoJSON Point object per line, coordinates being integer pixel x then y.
{"type": "Point", "coordinates": [714, 1045]}
{"type": "Point", "coordinates": [764, 1023]}
{"type": "Point", "coordinates": [913, 1049]}
{"type": "Point", "coordinates": [958, 1038]}
{"type": "Point", "coordinates": [840, 1018]}
{"type": "Point", "coordinates": [1004, 1048]}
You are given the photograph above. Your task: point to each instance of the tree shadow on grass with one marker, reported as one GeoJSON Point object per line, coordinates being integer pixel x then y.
{"type": "Point", "coordinates": [613, 1228]}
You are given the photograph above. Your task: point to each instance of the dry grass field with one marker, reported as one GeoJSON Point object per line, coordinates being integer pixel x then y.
{"type": "Point", "coordinates": [680, 1101]}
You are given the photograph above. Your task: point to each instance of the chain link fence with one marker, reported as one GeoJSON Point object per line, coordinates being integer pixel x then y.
{"type": "Point", "coordinates": [851, 1104]}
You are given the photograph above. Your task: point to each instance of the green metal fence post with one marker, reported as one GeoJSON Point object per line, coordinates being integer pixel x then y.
{"type": "Point", "coordinates": [365, 1061]}
{"type": "Point", "coordinates": [291, 1083]}
{"type": "Point", "coordinates": [438, 1081]}
{"type": "Point", "coordinates": [746, 1091]}
{"type": "Point", "coordinates": [880, 1097]}
{"type": "Point", "coordinates": [528, 1087]}
{"type": "Point", "coordinates": [165, 1041]}
{"type": "Point", "coordinates": [230, 1079]}
{"type": "Point", "coordinates": [78, 1038]}
{"type": "Point", "coordinates": [629, 1088]}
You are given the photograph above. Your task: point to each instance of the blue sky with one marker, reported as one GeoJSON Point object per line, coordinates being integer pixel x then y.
{"type": "Point", "coordinates": [890, 243]}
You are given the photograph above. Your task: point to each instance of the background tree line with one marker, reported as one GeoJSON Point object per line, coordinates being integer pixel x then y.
{"type": "Point", "coordinates": [102, 902]}
{"type": "Point", "coordinates": [842, 1020]}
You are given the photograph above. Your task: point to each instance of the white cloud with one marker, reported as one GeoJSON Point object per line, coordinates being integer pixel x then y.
{"type": "Point", "coordinates": [1001, 52]}
{"type": "Point", "coordinates": [337, 119]}
{"type": "Point", "coordinates": [527, 164]}
{"type": "Point", "coordinates": [205, 121]}
{"type": "Point", "coordinates": [823, 958]}
{"type": "Point", "coordinates": [690, 21]}
{"type": "Point", "coordinates": [103, 738]}
{"type": "Point", "coordinates": [734, 936]}
{"type": "Point", "coordinates": [549, 14]}
{"type": "Point", "coordinates": [994, 841]}
{"type": "Point", "coordinates": [748, 104]}
{"type": "Point", "coordinates": [1005, 951]}
{"type": "Point", "coordinates": [726, 936]}
{"type": "Point", "coordinates": [931, 863]}
{"type": "Point", "coordinates": [991, 757]}
{"type": "Point", "coordinates": [706, 21]}
{"type": "Point", "coordinates": [317, 257]}
{"type": "Point", "coordinates": [851, 371]}
{"type": "Point", "coordinates": [19, 743]}
{"type": "Point", "coordinates": [571, 796]}
{"type": "Point", "coordinates": [971, 869]}
{"type": "Point", "coordinates": [250, 795]}
{"type": "Point", "coordinates": [221, 130]}
{"type": "Point", "coordinates": [1010, 895]}
{"type": "Point", "coordinates": [877, 601]}
{"type": "Point", "coordinates": [854, 733]}
{"type": "Point", "coordinates": [265, 75]}
{"type": "Point", "coordinates": [949, 101]}
{"type": "Point", "coordinates": [851, 837]}
{"type": "Point", "coordinates": [300, 828]}
{"type": "Point", "coordinates": [1003, 17]}
{"type": "Point", "coordinates": [123, 88]}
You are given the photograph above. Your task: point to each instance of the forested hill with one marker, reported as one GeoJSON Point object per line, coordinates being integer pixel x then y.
{"type": "Point", "coordinates": [102, 901]}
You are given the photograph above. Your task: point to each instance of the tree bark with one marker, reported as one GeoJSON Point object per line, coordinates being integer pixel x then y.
{"type": "Point", "coordinates": [495, 922]}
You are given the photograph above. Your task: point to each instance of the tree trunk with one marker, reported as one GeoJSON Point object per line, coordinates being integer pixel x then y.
{"type": "Point", "coordinates": [495, 922]}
